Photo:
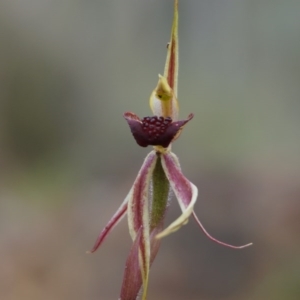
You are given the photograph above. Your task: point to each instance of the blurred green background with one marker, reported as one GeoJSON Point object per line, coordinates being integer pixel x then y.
{"type": "Point", "coordinates": [68, 71]}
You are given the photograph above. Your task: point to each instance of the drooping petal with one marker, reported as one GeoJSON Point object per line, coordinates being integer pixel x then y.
{"type": "Point", "coordinates": [163, 100]}
{"type": "Point", "coordinates": [117, 217]}
{"type": "Point", "coordinates": [155, 131]}
{"type": "Point", "coordinates": [138, 206]}
{"type": "Point", "coordinates": [132, 280]}
{"type": "Point", "coordinates": [185, 192]}
{"type": "Point", "coordinates": [138, 215]}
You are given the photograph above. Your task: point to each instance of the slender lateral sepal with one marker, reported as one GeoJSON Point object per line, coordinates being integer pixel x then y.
{"type": "Point", "coordinates": [138, 216]}
{"type": "Point", "coordinates": [186, 194]}
{"type": "Point", "coordinates": [138, 211]}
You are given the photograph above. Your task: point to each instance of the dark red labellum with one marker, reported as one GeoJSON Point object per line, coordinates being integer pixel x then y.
{"type": "Point", "coordinates": [155, 131]}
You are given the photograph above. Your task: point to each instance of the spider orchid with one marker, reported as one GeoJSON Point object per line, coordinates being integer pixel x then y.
{"type": "Point", "coordinates": [159, 173]}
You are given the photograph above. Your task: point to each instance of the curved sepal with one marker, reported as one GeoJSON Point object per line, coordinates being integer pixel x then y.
{"type": "Point", "coordinates": [185, 192]}
{"type": "Point", "coordinates": [138, 216]}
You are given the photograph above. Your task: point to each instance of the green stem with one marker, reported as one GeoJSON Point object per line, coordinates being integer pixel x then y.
{"type": "Point", "coordinates": [161, 187]}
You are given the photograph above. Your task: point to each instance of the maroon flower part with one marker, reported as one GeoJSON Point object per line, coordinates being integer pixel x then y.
{"type": "Point", "coordinates": [155, 131]}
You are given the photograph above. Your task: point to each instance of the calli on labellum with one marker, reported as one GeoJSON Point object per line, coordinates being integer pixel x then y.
{"type": "Point", "coordinates": [159, 173]}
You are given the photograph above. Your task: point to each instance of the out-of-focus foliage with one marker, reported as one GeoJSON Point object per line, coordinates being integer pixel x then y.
{"type": "Point", "coordinates": [68, 70]}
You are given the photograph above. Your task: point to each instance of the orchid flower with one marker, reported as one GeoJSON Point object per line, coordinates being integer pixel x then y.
{"type": "Point", "coordinates": [160, 173]}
